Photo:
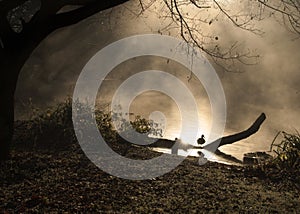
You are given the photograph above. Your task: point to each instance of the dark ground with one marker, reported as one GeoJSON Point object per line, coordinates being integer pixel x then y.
{"type": "Point", "coordinates": [66, 181]}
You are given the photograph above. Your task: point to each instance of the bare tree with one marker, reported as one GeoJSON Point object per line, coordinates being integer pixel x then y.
{"type": "Point", "coordinates": [16, 44]}
{"type": "Point", "coordinates": [242, 14]}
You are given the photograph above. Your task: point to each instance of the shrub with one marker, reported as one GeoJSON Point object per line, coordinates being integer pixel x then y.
{"type": "Point", "coordinates": [287, 151]}
{"type": "Point", "coordinates": [53, 128]}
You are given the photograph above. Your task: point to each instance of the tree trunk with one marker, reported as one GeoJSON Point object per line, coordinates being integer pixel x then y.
{"type": "Point", "coordinates": [11, 64]}
{"type": "Point", "coordinates": [7, 90]}
{"type": "Point", "coordinates": [6, 123]}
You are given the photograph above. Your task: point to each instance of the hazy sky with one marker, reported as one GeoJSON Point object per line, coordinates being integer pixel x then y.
{"type": "Point", "coordinates": [270, 86]}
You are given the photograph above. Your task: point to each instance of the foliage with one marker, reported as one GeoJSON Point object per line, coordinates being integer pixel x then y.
{"type": "Point", "coordinates": [54, 127]}
{"type": "Point", "coordinates": [287, 151]}
{"type": "Point", "coordinates": [140, 125]}
{"type": "Point", "coordinates": [46, 129]}
{"type": "Point", "coordinates": [284, 168]}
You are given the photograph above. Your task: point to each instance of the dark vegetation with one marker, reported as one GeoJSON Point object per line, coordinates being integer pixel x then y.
{"type": "Point", "coordinates": [287, 151]}
{"type": "Point", "coordinates": [53, 130]}
{"type": "Point", "coordinates": [48, 172]}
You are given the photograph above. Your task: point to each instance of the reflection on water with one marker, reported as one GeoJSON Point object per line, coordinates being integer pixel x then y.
{"type": "Point", "coordinates": [194, 153]}
{"type": "Point", "coordinates": [162, 110]}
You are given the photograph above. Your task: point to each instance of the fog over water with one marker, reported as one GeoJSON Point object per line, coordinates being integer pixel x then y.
{"type": "Point", "coordinates": [271, 86]}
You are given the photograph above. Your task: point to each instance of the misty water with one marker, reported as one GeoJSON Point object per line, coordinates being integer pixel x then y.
{"type": "Point", "coordinates": [163, 111]}
{"type": "Point", "coordinates": [270, 86]}
{"type": "Point", "coordinates": [172, 131]}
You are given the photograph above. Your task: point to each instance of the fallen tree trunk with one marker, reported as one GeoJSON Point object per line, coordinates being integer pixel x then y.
{"type": "Point", "coordinates": [236, 137]}
{"type": "Point", "coordinates": [165, 143]}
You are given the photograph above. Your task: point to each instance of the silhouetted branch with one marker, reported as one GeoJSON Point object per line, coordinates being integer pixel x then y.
{"type": "Point", "coordinates": [238, 136]}
{"type": "Point", "coordinates": [289, 9]}
{"type": "Point", "coordinates": [192, 33]}
{"type": "Point", "coordinates": [46, 20]}
{"type": "Point", "coordinates": [74, 16]}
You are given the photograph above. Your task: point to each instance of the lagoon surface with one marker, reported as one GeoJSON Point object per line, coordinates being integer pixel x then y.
{"type": "Point", "coordinates": [164, 111]}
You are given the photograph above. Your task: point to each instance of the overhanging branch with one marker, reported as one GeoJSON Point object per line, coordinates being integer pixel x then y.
{"type": "Point", "coordinates": [74, 16]}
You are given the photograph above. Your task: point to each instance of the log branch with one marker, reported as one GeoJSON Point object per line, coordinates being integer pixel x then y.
{"type": "Point", "coordinates": [164, 143]}
{"type": "Point", "coordinates": [238, 136]}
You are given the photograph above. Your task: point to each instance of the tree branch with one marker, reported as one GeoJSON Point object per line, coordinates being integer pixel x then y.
{"type": "Point", "coordinates": [46, 20]}
{"type": "Point", "coordinates": [239, 25]}
{"type": "Point", "coordinates": [74, 16]}
{"type": "Point", "coordinates": [238, 136]}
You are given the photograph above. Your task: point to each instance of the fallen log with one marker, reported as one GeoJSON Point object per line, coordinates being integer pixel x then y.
{"type": "Point", "coordinates": [236, 137]}
{"type": "Point", "coordinates": [213, 146]}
